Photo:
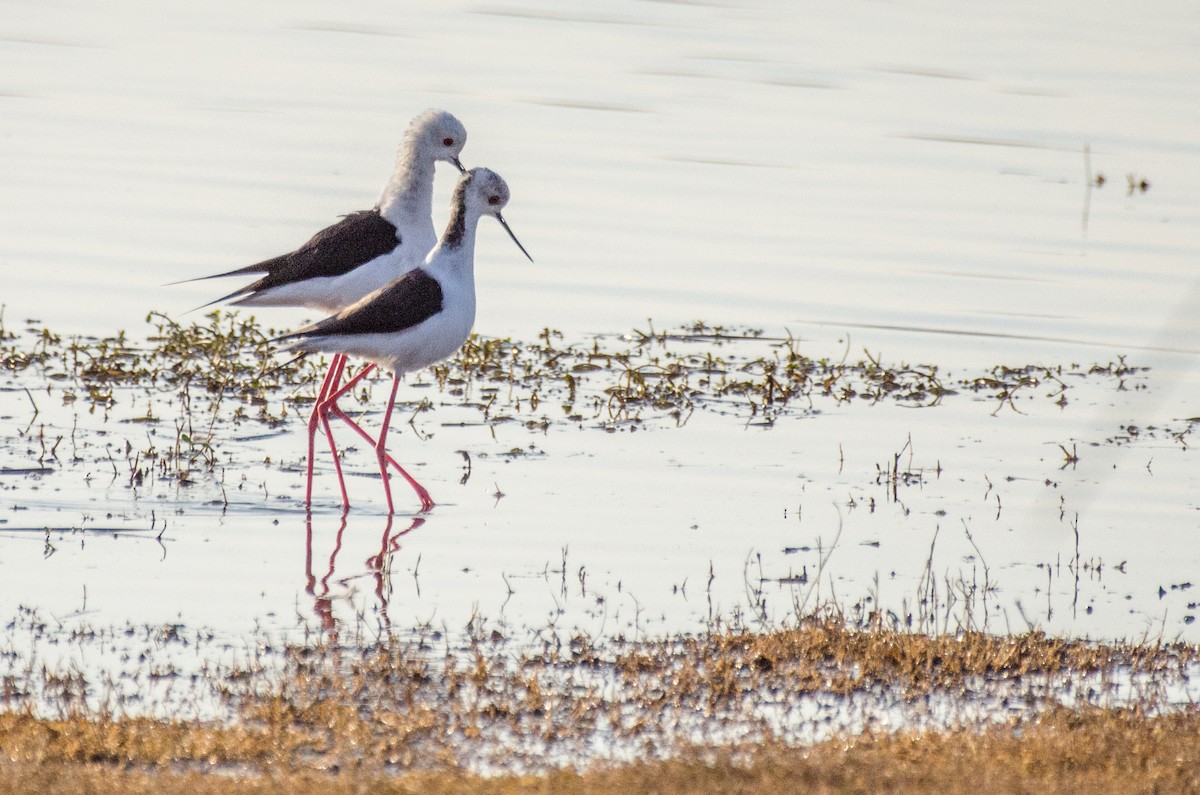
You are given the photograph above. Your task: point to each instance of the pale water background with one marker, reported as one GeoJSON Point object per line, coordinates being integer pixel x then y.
{"type": "Point", "coordinates": [907, 178]}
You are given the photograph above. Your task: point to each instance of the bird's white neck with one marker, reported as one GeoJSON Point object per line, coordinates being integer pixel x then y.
{"type": "Point", "coordinates": [456, 248]}
{"type": "Point", "coordinates": [408, 195]}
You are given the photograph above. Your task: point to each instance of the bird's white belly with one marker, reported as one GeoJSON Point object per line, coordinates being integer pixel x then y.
{"type": "Point", "coordinates": [436, 338]}
{"type": "Point", "coordinates": [334, 293]}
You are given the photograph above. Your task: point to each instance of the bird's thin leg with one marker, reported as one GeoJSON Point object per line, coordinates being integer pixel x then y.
{"type": "Point", "coordinates": [422, 494]}
{"type": "Point", "coordinates": [337, 459]}
{"type": "Point", "coordinates": [336, 367]}
{"type": "Point", "coordinates": [329, 405]}
{"type": "Point", "coordinates": [380, 446]}
{"type": "Point", "coordinates": [333, 380]}
{"type": "Point", "coordinates": [329, 401]}
{"type": "Point", "coordinates": [314, 419]}
{"type": "Point", "coordinates": [367, 437]}
{"type": "Point", "coordinates": [332, 398]}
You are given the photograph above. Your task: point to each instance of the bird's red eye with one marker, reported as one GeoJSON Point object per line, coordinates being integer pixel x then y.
{"type": "Point", "coordinates": [493, 199]}
{"type": "Point", "coordinates": [448, 141]}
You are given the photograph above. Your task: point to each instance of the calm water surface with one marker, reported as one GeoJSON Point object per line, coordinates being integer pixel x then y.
{"type": "Point", "coordinates": [910, 180]}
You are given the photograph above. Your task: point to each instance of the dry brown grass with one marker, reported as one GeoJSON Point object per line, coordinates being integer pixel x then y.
{"type": "Point", "coordinates": [979, 713]}
{"type": "Point", "coordinates": [1064, 751]}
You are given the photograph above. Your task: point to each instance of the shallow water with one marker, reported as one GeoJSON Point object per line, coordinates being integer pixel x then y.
{"type": "Point", "coordinates": [912, 182]}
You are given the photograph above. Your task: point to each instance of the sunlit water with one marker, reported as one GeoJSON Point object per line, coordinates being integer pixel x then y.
{"type": "Point", "coordinates": [910, 181]}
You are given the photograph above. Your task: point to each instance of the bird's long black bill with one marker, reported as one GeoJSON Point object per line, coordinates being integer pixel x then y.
{"type": "Point", "coordinates": [458, 164]}
{"type": "Point", "coordinates": [504, 224]}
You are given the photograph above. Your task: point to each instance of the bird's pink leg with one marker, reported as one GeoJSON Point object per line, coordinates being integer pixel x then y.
{"type": "Point", "coordinates": [337, 460]}
{"type": "Point", "coordinates": [381, 445]}
{"type": "Point", "coordinates": [314, 419]}
{"type": "Point", "coordinates": [332, 398]}
{"type": "Point", "coordinates": [336, 367]}
{"type": "Point", "coordinates": [330, 406]}
{"type": "Point", "coordinates": [331, 390]}
{"type": "Point", "coordinates": [333, 380]}
{"type": "Point", "coordinates": [422, 494]}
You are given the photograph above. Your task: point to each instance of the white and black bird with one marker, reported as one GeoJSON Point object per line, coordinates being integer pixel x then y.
{"type": "Point", "coordinates": [367, 249]}
{"type": "Point", "coordinates": [363, 251]}
{"type": "Point", "coordinates": [415, 321]}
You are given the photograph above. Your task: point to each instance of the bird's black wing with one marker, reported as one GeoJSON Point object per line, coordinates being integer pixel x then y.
{"type": "Point", "coordinates": [409, 300]}
{"type": "Point", "coordinates": [353, 241]}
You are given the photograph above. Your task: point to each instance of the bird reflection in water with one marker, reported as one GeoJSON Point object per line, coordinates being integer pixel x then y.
{"type": "Point", "coordinates": [379, 567]}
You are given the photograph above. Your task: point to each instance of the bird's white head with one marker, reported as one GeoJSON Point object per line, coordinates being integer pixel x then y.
{"type": "Point", "coordinates": [439, 134]}
{"type": "Point", "coordinates": [484, 192]}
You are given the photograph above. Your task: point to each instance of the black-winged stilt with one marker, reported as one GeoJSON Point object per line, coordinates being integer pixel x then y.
{"type": "Point", "coordinates": [365, 250]}
{"type": "Point", "coordinates": [417, 320]}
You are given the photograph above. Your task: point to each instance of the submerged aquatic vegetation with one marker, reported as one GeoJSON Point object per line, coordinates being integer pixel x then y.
{"type": "Point", "coordinates": [649, 374]}
{"type": "Point", "coordinates": [617, 378]}
{"type": "Point", "coordinates": [191, 386]}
